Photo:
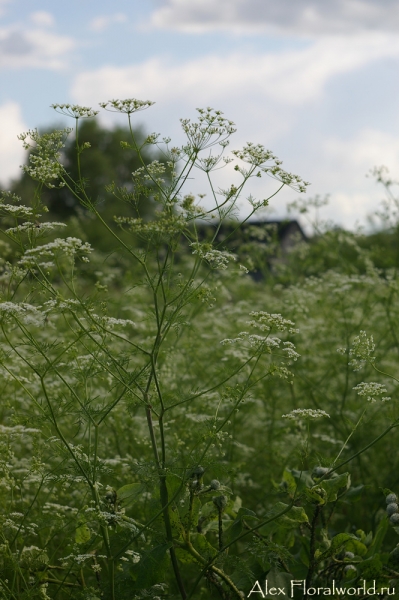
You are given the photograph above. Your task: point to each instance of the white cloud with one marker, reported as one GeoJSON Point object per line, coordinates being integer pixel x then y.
{"type": "Point", "coordinates": [269, 96]}
{"type": "Point", "coordinates": [12, 153]}
{"type": "Point", "coordinates": [369, 148]}
{"type": "Point", "coordinates": [42, 18]}
{"type": "Point", "coordinates": [301, 17]}
{"type": "Point", "coordinates": [103, 22]}
{"type": "Point", "coordinates": [33, 47]}
{"type": "Point", "coordinates": [3, 4]}
{"type": "Point", "coordinates": [291, 78]}
{"type": "Point", "coordinates": [343, 168]}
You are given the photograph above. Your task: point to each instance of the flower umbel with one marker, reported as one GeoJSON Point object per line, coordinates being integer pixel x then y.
{"type": "Point", "coordinates": [370, 390]}
{"type": "Point", "coordinates": [305, 413]}
{"type": "Point", "coordinates": [75, 111]}
{"type": "Point", "coordinates": [127, 106]}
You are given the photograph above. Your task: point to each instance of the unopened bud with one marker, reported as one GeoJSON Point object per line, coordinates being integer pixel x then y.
{"type": "Point", "coordinates": [392, 509]}
{"type": "Point", "coordinates": [214, 484]}
{"type": "Point", "coordinates": [221, 502]}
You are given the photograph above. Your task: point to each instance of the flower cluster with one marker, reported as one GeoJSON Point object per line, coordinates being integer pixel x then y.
{"type": "Point", "coordinates": [305, 413]}
{"type": "Point", "coordinates": [392, 508]}
{"type": "Point", "coordinates": [217, 259]}
{"type": "Point", "coordinates": [37, 228]}
{"type": "Point", "coordinates": [257, 156]}
{"type": "Point", "coordinates": [370, 390]}
{"type": "Point", "coordinates": [212, 128]}
{"type": "Point", "coordinates": [16, 211]}
{"type": "Point", "coordinates": [127, 106]}
{"type": "Point", "coordinates": [70, 247]}
{"type": "Point", "coordinates": [266, 322]}
{"type": "Point", "coordinates": [24, 312]}
{"type": "Point", "coordinates": [362, 351]}
{"type": "Point", "coordinates": [44, 159]}
{"type": "Point", "coordinates": [75, 111]}
{"type": "Point", "coordinates": [164, 224]}
{"type": "Point", "coordinates": [266, 343]}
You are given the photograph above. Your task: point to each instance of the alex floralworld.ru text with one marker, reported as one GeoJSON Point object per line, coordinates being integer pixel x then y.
{"type": "Point", "coordinates": [367, 588]}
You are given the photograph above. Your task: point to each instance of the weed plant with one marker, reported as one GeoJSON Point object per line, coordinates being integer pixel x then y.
{"type": "Point", "coordinates": [171, 428]}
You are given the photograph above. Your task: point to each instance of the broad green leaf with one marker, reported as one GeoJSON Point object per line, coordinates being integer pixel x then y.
{"type": "Point", "coordinates": [289, 520]}
{"type": "Point", "coordinates": [177, 527]}
{"type": "Point", "coordinates": [174, 483]}
{"type": "Point", "coordinates": [128, 494]}
{"type": "Point", "coordinates": [303, 479]}
{"type": "Point", "coordinates": [316, 495]}
{"type": "Point", "coordinates": [184, 557]}
{"type": "Point", "coordinates": [289, 482]}
{"type": "Point", "coordinates": [333, 485]}
{"type": "Point", "coordinates": [355, 546]}
{"type": "Point", "coordinates": [152, 567]}
{"type": "Point", "coordinates": [208, 513]}
{"type": "Point", "coordinates": [371, 568]}
{"type": "Point", "coordinates": [203, 547]}
{"type": "Point", "coordinates": [379, 536]}
{"type": "Point", "coordinates": [277, 579]}
{"type": "Point", "coordinates": [345, 541]}
{"type": "Point", "coordinates": [82, 534]}
{"type": "Point", "coordinates": [354, 494]}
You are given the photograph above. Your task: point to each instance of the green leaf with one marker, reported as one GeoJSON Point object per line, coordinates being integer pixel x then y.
{"type": "Point", "coordinates": [177, 527]}
{"type": "Point", "coordinates": [289, 482]}
{"type": "Point", "coordinates": [314, 495]}
{"type": "Point", "coordinates": [82, 534]}
{"type": "Point", "coordinates": [202, 546]}
{"type": "Point", "coordinates": [371, 568]}
{"type": "Point", "coordinates": [303, 479]}
{"type": "Point", "coordinates": [347, 541]}
{"type": "Point", "coordinates": [379, 536]}
{"type": "Point", "coordinates": [152, 567]}
{"type": "Point", "coordinates": [174, 483]}
{"type": "Point", "coordinates": [354, 494]}
{"type": "Point", "coordinates": [128, 494]}
{"type": "Point", "coordinates": [356, 547]}
{"type": "Point", "coordinates": [277, 579]}
{"type": "Point", "coordinates": [333, 485]}
{"type": "Point", "coordinates": [289, 520]}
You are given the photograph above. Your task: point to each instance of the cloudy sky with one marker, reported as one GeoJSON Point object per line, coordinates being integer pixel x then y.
{"type": "Point", "coordinates": [316, 81]}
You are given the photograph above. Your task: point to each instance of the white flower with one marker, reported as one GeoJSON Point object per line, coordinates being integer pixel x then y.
{"type": "Point", "coordinates": [371, 390]}
{"type": "Point", "coordinates": [306, 413]}
{"type": "Point", "coordinates": [75, 111]}
{"type": "Point", "coordinates": [362, 351]}
{"type": "Point", "coordinates": [266, 321]}
{"type": "Point", "coordinates": [70, 246]}
{"type": "Point", "coordinates": [217, 259]}
{"type": "Point", "coordinates": [24, 312]}
{"type": "Point", "coordinates": [128, 106]}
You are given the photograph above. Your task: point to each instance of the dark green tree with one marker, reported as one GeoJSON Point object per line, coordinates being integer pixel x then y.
{"type": "Point", "coordinates": [105, 161]}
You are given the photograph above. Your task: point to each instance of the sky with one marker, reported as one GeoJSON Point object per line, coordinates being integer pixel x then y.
{"type": "Point", "coordinates": [315, 81]}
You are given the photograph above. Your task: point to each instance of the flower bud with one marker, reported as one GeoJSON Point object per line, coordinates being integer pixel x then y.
{"type": "Point", "coordinates": [350, 571]}
{"type": "Point", "coordinates": [392, 509]}
{"type": "Point", "coordinates": [394, 519]}
{"type": "Point", "coordinates": [214, 484]}
{"type": "Point", "coordinates": [110, 496]}
{"type": "Point", "coordinates": [349, 555]}
{"type": "Point", "coordinates": [198, 472]}
{"type": "Point", "coordinates": [221, 502]}
{"type": "Point", "coordinates": [391, 498]}
{"type": "Point", "coordinates": [319, 471]}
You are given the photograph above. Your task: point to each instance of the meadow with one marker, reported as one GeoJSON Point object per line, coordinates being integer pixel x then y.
{"type": "Point", "coordinates": [172, 426]}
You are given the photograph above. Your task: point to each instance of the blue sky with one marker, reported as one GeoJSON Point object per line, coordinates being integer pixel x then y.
{"type": "Point", "coordinates": [316, 81]}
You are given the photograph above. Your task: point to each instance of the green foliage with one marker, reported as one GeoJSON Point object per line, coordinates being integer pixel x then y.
{"type": "Point", "coordinates": [170, 427]}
